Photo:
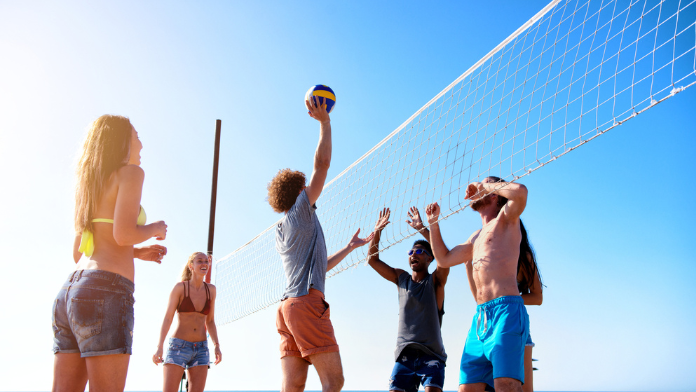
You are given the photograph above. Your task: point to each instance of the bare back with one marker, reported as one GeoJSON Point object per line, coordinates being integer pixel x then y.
{"type": "Point", "coordinates": [108, 255]}
{"type": "Point", "coordinates": [496, 248]}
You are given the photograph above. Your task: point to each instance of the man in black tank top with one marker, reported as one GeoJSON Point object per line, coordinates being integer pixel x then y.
{"type": "Point", "coordinates": [420, 354]}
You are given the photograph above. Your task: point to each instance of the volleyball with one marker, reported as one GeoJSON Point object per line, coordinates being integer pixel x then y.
{"type": "Point", "coordinates": [324, 94]}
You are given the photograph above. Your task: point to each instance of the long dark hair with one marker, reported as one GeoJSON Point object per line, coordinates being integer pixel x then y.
{"type": "Point", "coordinates": [524, 265]}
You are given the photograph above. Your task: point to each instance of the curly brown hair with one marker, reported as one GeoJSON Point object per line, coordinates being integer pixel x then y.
{"type": "Point", "coordinates": [284, 189]}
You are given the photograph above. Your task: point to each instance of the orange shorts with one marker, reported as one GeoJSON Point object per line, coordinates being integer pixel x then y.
{"type": "Point", "coordinates": [305, 327]}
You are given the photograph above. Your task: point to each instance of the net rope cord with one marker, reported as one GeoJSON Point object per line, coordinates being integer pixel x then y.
{"type": "Point", "coordinates": [574, 71]}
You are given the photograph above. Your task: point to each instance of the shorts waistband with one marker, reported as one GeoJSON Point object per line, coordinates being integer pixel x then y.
{"type": "Point", "coordinates": [203, 343]}
{"type": "Point", "coordinates": [508, 299]}
{"type": "Point", "coordinates": [112, 277]}
{"type": "Point", "coordinates": [311, 293]}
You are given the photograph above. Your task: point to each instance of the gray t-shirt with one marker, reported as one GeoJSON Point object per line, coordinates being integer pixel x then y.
{"type": "Point", "coordinates": [300, 243]}
{"type": "Point", "coordinates": [419, 317]}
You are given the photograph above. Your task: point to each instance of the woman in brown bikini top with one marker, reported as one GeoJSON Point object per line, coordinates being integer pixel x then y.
{"type": "Point", "coordinates": [193, 301]}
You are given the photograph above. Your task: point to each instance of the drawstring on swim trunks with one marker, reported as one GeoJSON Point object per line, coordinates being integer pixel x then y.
{"type": "Point", "coordinates": [485, 322]}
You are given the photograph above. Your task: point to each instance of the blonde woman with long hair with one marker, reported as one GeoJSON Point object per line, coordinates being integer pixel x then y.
{"type": "Point", "coordinates": [194, 301]}
{"type": "Point", "coordinates": [93, 311]}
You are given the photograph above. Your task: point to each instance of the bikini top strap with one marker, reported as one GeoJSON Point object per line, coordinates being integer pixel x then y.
{"type": "Point", "coordinates": [207, 292]}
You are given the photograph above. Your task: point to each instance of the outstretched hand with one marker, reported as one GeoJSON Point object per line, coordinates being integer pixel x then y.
{"type": "Point", "coordinates": [316, 110]}
{"type": "Point", "coordinates": [383, 219]}
{"type": "Point", "coordinates": [416, 222]}
{"type": "Point", "coordinates": [357, 242]}
{"type": "Point", "coordinates": [150, 253]}
{"type": "Point", "coordinates": [433, 213]}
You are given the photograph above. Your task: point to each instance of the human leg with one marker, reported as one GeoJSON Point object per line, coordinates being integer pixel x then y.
{"type": "Point", "coordinates": [69, 373]}
{"type": "Point", "coordinates": [107, 372]}
{"type": "Point", "coordinates": [528, 370]}
{"type": "Point", "coordinates": [473, 387]}
{"type": "Point", "coordinates": [172, 377]}
{"type": "Point", "coordinates": [294, 371]}
{"type": "Point", "coordinates": [509, 330]}
{"type": "Point", "coordinates": [330, 370]}
{"type": "Point", "coordinates": [475, 369]}
{"type": "Point", "coordinates": [69, 368]}
{"type": "Point", "coordinates": [506, 384]}
{"type": "Point", "coordinates": [197, 376]}
{"type": "Point", "coordinates": [404, 377]}
{"type": "Point", "coordinates": [431, 371]}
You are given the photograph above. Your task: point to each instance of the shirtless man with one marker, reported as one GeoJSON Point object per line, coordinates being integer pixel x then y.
{"type": "Point", "coordinates": [494, 349]}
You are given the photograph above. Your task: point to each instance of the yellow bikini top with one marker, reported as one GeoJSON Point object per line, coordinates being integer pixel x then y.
{"type": "Point", "coordinates": [87, 241]}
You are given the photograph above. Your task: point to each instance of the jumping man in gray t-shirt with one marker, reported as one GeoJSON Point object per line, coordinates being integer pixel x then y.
{"type": "Point", "coordinates": [420, 354]}
{"type": "Point", "coordinates": [306, 333]}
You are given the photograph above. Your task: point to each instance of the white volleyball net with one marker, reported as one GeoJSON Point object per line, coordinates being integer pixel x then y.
{"type": "Point", "coordinates": [576, 70]}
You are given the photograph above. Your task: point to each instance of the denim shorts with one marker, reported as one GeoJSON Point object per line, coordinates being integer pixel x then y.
{"type": "Point", "coordinates": [187, 354]}
{"type": "Point", "coordinates": [415, 367]}
{"type": "Point", "coordinates": [93, 314]}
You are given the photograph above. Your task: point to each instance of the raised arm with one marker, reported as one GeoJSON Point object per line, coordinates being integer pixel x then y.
{"type": "Point", "coordinates": [322, 156]}
{"type": "Point", "coordinates": [210, 324]}
{"type": "Point", "coordinates": [126, 230]}
{"type": "Point", "coordinates": [514, 192]}
{"type": "Point", "coordinates": [384, 270]}
{"type": "Point", "coordinates": [446, 257]}
{"type": "Point", "coordinates": [354, 243]}
{"type": "Point", "coordinates": [174, 298]}
{"type": "Point", "coordinates": [416, 222]}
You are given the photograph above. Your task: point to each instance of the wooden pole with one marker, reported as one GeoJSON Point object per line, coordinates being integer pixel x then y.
{"type": "Point", "coordinates": [213, 197]}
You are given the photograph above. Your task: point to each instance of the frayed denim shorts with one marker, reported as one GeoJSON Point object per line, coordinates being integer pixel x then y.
{"type": "Point", "coordinates": [93, 314]}
{"type": "Point", "coordinates": [187, 354]}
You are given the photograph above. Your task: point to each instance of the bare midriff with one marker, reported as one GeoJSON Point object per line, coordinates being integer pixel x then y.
{"type": "Point", "coordinates": [494, 262]}
{"type": "Point", "coordinates": [191, 327]}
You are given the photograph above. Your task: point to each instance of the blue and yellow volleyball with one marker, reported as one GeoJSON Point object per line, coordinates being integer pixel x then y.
{"type": "Point", "coordinates": [322, 92]}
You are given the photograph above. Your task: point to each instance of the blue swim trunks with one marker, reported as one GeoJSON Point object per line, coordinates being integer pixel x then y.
{"type": "Point", "coordinates": [495, 345]}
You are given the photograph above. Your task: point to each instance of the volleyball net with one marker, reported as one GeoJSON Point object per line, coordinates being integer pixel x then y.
{"type": "Point", "coordinates": [574, 71]}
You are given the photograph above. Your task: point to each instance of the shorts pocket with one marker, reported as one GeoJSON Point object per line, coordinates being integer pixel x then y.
{"type": "Point", "coordinates": [326, 313]}
{"type": "Point", "coordinates": [87, 316]}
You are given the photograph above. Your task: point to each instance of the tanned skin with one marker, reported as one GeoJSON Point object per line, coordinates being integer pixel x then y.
{"type": "Point", "coordinates": [490, 254]}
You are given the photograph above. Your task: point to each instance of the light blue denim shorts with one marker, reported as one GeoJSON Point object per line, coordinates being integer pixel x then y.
{"type": "Point", "coordinates": [187, 354]}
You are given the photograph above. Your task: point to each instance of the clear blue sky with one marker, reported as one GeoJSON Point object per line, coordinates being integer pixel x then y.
{"type": "Point", "coordinates": [611, 222]}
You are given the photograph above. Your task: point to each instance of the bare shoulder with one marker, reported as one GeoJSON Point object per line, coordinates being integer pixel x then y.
{"type": "Point", "coordinates": [131, 173]}
{"type": "Point", "coordinates": [213, 290]}
{"type": "Point", "coordinates": [474, 236]}
{"type": "Point", "coordinates": [178, 288]}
